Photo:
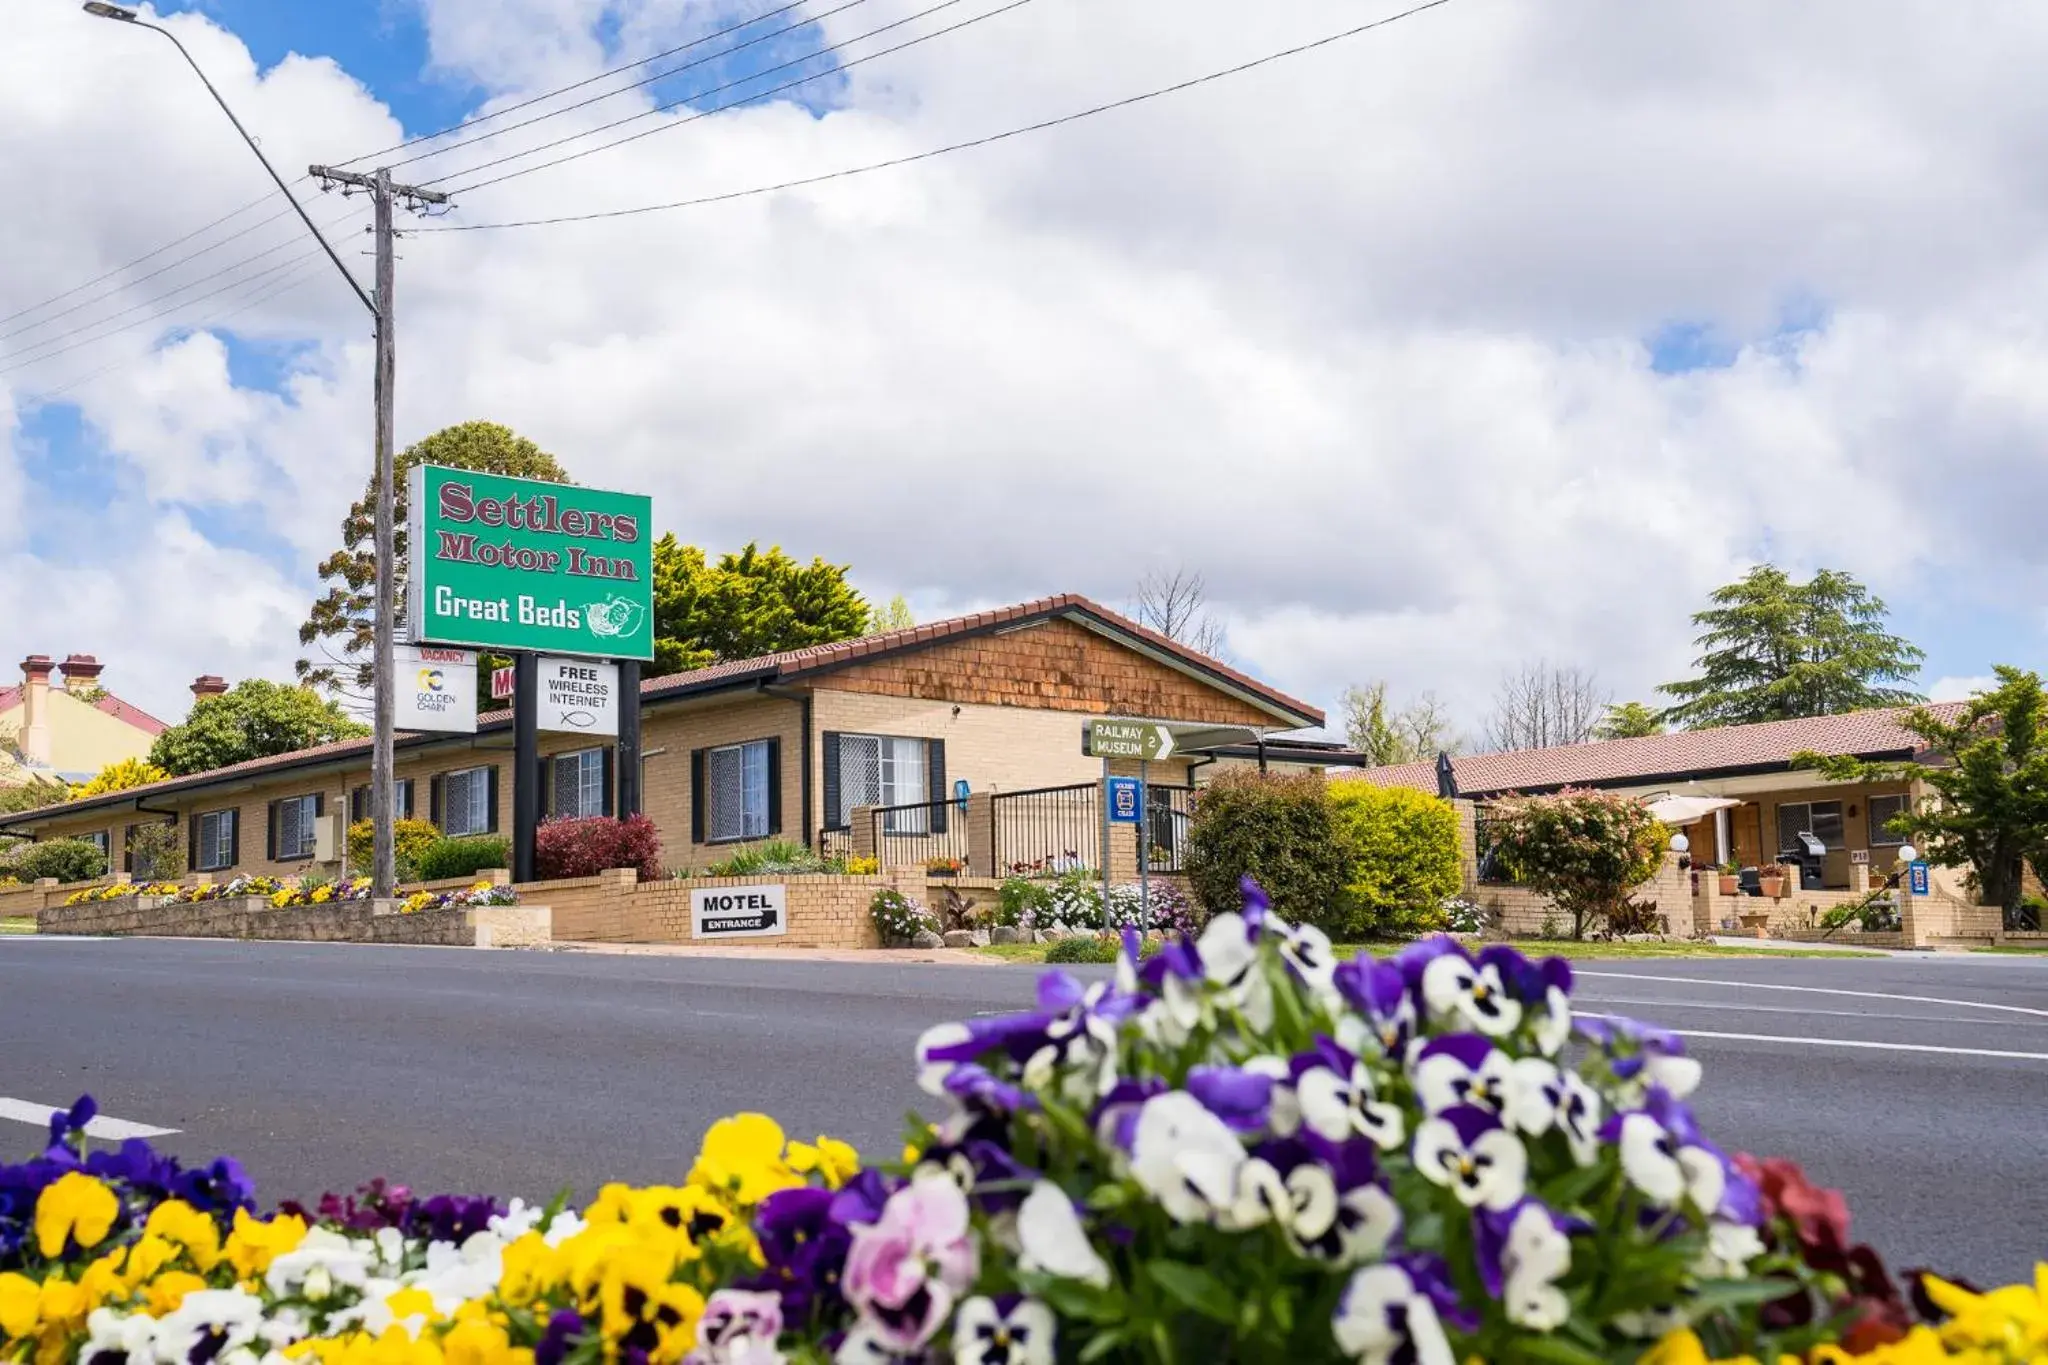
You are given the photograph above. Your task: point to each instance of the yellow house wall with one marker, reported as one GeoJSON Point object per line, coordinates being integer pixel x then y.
{"type": "Point", "coordinates": [83, 738]}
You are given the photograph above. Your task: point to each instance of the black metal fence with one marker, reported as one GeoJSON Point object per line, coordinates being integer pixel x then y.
{"type": "Point", "coordinates": [1046, 830]}
{"type": "Point", "coordinates": [927, 834]}
{"type": "Point", "coordinates": [1167, 813]}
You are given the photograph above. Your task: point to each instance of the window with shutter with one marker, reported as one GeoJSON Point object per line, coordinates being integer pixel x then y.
{"type": "Point", "coordinates": [885, 770]}
{"type": "Point", "coordinates": [466, 801]}
{"type": "Point", "coordinates": [576, 784]}
{"type": "Point", "coordinates": [736, 792]}
{"type": "Point", "coordinates": [214, 841]}
{"type": "Point", "coordinates": [295, 820]}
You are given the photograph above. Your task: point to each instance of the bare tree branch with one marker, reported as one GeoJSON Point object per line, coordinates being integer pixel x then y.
{"type": "Point", "coordinates": [1176, 605]}
{"type": "Point", "coordinates": [1538, 706]}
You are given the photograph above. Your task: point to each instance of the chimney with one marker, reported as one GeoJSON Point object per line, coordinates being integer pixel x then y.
{"type": "Point", "coordinates": [208, 685]}
{"type": "Point", "coordinates": [81, 671]}
{"type": "Point", "coordinates": [34, 739]}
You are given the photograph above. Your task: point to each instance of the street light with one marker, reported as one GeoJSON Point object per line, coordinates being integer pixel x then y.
{"type": "Point", "coordinates": [381, 784]}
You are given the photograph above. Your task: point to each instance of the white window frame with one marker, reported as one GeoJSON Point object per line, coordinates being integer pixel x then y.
{"type": "Point", "coordinates": [902, 766]}
{"type": "Point", "coordinates": [586, 787]}
{"type": "Point", "coordinates": [476, 804]}
{"type": "Point", "coordinates": [304, 810]}
{"type": "Point", "coordinates": [1880, 837]}
{"type": "Point", "coordinates": [726, 821]}
{"type": "Point", "coordinates": [102, 840]}
{"type": "Point", "coordinates": [216, 845]}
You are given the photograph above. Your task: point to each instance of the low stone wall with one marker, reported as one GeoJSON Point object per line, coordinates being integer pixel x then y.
{"type": "Point", "coordinates": [1518, 912]}
{"type": "Point", "coordinates": [253, 917]}
{"type": "Point", "coordinates": [822, 911]}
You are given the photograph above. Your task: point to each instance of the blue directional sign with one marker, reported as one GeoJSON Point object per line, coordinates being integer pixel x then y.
{"type": "Point", "coordinates": [1918, 872]}
{"type": "Point", "coordinates": [1126, 801]}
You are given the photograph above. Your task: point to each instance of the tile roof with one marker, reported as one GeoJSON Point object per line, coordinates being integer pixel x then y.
{"type": "Point", "coordinates": [789, 664]}
{"type": "Point", "coordinates": [111, 704]}
{"type": "Point", "coordinates": [1682, 753]}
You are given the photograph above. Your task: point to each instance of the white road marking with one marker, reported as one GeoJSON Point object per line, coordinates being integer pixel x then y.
{"type": "Point", "coordinates": [1731, 1007]}
{"type": "Point", "coordinates": [1818, 990]}
{"type": "Point", "coordinates": [1855, 1043]}
{"type": "Point", "coordinates": [110, 1129]}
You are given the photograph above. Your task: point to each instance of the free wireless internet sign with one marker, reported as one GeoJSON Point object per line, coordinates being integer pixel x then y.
{"type": "Point", "coordinates": [580, 696]}
{"type": "Point", "coordinates": [521, 564]}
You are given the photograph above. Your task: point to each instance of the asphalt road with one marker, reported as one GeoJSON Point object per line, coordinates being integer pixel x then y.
{"type": "Point", "coordinates": [321, 1065]}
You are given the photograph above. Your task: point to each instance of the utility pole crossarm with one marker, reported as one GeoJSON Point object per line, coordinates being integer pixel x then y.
{"type": "Point", "coordinates": [369, 182]}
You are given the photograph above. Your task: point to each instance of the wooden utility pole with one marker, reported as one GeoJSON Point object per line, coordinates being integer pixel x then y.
{"type": "Point", "coordinates": [383, 858]}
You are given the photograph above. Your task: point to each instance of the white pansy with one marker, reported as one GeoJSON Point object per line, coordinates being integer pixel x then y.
{"type": "Point", "coordinates": [217, 1320]}
{"type": "Point", "coordinates": [1729, 1250]}
{"type": "Point", "coordinates": [321, 1262]}
{"type": "Point", "coordinates": [1648, 1158]}
{"type": "Point", "coordinates": [931, 1076]}
{"type": "Point", "coordinates": [1530, 1099]}
{"type": "Point", "coordinates": [1554, 1029]}
{"type": "Point", "coordinates": [125, 1335]}
{"type": "Point", "coordinates": [1283, 1106]}
{"type": "Point", "coordinates": [985, 1335]}
{"type": "Point", "coordinates": [1339, 1107]}
{"type": "Point", "coordinates": [1260, 1198]}
{"type": "Point", "coordinates": [1185, 1157]}
{"type": "Point", "coordinates": [1307, 949]}
{"type": "Point", "coordinates": [1382, 1319]}
{"type": "Point", "coordinates": [1536, 1257]}
{"type": "Point", "coordinates": [1489, 1171]}
{"type": "Point", "coordinates": [1578, 1117]}
{"type": "Point", "coordinates": [1442, 1080]}
{"type": "Point", "coordinates": [1344, 1229]}
{"type": "Point", "coordinates": [1455, 987]}
{"type": "Point", "coordinates": [1230, 960]}
{"type": "Point", "coordinates": [1052, 1241]}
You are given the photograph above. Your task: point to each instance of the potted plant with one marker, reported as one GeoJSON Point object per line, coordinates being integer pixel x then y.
{"type": "Point", "coordinates": [1731, 879]}
{"type": "Point", "coordinates": [1771, 877]}
{"type": "Point", "coordinates": [942, 867]}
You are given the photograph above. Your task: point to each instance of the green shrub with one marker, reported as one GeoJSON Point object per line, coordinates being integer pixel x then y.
{"type": "Point", "coordinates": [68, 860]}
{"type": "Point", "coordinates": [156, 853]}
{"type": "Point", "coordinates": [408, 838]}
{"type": "Point", "coordinates": [1402, 858]}
{"type": "Point", "coordinates": [1274, 827]}
{"type": "Point", "coordinates": [1584, 849]}
{"type": "Point", "coordinates": [775, 855]}
{"type": "Point", "coordinates": [1020, 897]}
{"type": "Point", "coordinates": [899, 919]}
{"type": "Point", "coordinates": [1085, 948]}
{"type": "Point", "coordinates": [465, 857]}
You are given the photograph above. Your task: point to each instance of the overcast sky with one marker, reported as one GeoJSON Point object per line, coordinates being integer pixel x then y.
{"type": "Point", "coordinates": [1507, 330]}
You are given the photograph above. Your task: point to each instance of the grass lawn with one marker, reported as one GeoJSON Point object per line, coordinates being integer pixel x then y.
{"type": "Point", "coordinates": [17, 926]}
{"type": "Point", "coordinates": [1035, 952]}
{"type": "Point", "coordinates": [2015, 949]}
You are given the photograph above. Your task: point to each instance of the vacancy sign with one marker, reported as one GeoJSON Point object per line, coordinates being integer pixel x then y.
{"type": "Point", "coordinates": [521, 564]}
{"type": "Point", "coordinates": [579, 696]}
{"type": "Point", "coordinates": [739, 911]}
{"type": "Point", "coordinates": [436, 689]}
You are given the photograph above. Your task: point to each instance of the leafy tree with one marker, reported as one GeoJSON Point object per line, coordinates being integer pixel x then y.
{"type": "Point", "coordinates": [253, 719]}
{"type": "Point", "coordinates": [340, 623]}
{"type": "Point", "coordinates": [33, 794]}
{"type": "Point", "coordinates": [895, 616]}
{"type": "Point", "coordinates": [1990, 782]}
{"type": "Point", "coordinates": [747, 604]}
{"type": "Point", "coordinates": [1629, 720]}
{"type": "Point", "coordinates": [1586, 850]}
{"type": "Point", "coordinates": [129, 772]}
{"type": "Point", "coordinates": [1775, 649]}
{"type": "Point", "coordinates": [1385, 736]}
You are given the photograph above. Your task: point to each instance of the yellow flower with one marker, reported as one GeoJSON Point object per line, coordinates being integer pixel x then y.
{"type": "Point", "coordinates": [321, 895]}
{"type": "Point", "coordinates": [530, 1269]}
{"type": "Point", "coordinates": [2013, 1319]}
{"type": "Point", "coordinates": [20, 1306]}
{"type": "Point", "coordinates": [837, 1162]}
{"type": "Point", "coordinates": [475, 1341]}
{"type": "Point", "coordinates": [143, 1261]}
{"type": "Point", "coordinates": [254, 1244]}
{"type": "Point", "coordinates": [281, 897]}
{"type": "Point", "coordinates": [641, 1309]}
{"type": "Point", "coordinates": [1681, 1347]}
{"type": "Point", "coordinates": [163, 1294]}
{"type": "Point", "coordinates": [176, 1221]}
{"type": "Point", "coordinates": [1921, 1346]}
{"type": "Point", "coordinates": [75, 1207]}
{"type": "Point", "coordinates": [742, 1157]}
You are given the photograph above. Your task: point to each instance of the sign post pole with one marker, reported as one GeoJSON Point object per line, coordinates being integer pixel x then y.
{"type": "Point", "coordinates": [627, 755]}
{"type": "Point", "coordinates": [1144, 849]}
{"type": "Point", "coordinates": [1105, 799]}
{"type": "Point", "coordinates": [525, 761]}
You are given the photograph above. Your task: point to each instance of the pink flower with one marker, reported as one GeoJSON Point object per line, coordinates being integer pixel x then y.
{"type": "Point", "coordinates": [905, 1272]}
{"type": "Point", "coordinates": [739, 1327]}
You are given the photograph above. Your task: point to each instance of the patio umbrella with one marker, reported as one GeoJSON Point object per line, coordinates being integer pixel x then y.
{"type": "Point", "coordinates": [1683, 810]}
{"type": "Point", "coordinates": [1446, 777]}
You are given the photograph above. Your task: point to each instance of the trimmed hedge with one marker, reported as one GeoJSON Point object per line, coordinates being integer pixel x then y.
{"type": "Point", "coordinates": [586, 847]}
{"type": "Point", "coordinates": [1402, 853]}
{"type": "Point", "coordinates": [68, 860]}
{"type": "Point", "coordinates": [465, 857]}
{"type": "Point", "coordinates": [1278, 828]}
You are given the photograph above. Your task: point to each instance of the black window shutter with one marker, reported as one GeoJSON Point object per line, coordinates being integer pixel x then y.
{"type": "Point", "coordinates": [403, 801]}
{"type": "Point", "coordinates": [358, 804]}
{"type": "Point", "coordinates": [191, 843]}
{"type": "Point", "coordinates": [491, 798]}
{"type": "Point", "coordinates": [834, 819]}
{"type": "Point", "coordinates": [547, 770]}
{"type": "Point", "coordinates": [234, 818]}
{"type": "Point", "coordinates": [435, 785]}
{"type": "Point", "coordinates": [935, 783]}
{"type": "Point", "coordinates": [270, 837]}
{"type": "Point", "coordinates": [319, 804]}
{"type": "Point", "coordinates": [774, 786]}
{"type": "Point", "coordinates": [607, 781]}
{"type": "Point", "coordinates": [128, 849]}
{"type": "Point", "coordinates": [696, 796]}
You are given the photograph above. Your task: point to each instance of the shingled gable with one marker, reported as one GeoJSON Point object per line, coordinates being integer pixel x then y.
{"type": "Point", "coordinates": [1264, 705]}
{"type": "Point", "coordinates": [1725, 751]}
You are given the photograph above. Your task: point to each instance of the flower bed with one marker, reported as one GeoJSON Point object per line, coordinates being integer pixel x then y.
{"type": "Point", "coordinates": [1240, 1150]}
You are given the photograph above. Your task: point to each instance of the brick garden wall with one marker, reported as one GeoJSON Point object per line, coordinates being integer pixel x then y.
{"type": "Point", "coordinates": [252, 917]}
{"type": "Point", "coordinates": [824, 911]}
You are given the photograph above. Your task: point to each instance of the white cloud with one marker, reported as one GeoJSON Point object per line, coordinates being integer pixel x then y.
{"type": "Point", "coordinates": [1358, 336]}
{"type": "Point", "coordinates": [1959, 689]}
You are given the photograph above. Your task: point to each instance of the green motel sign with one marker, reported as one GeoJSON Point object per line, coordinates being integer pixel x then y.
{"type": "Point", "coordinates": [510, 564]}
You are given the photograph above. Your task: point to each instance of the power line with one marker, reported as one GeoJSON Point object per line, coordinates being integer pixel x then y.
{"type": "Point", "coordinates": [130, 265]}
{"type": "Point", "coordinates": [705, 113]}
{"type": "Point", "coordinates": [649, 80]}
{"type": "Point", "coordinates": [573, 85]}
{"type": "Point", "coordinates": [929, 153]}
{"type": "Point", "coordinates": [289, 280]}
{"type": "Point", "coordinates": [175, 290]}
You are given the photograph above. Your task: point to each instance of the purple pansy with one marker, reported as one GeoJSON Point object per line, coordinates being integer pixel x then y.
{"type": "Point", "coordinates": [1643, 1054]}
{"type": "Point", "coordinates": [1338, 1099]}
{"type": "Point", "coordinates": [1380, 994]}
{"type": "Point", "coordinates": [1242, 1099]}
{"type": "Point", "coordinates": [1468, 1150]}
{"type": "Point", "coordinates": [1665, 1156]}
{"type": "Point", "coordinates": [1522, 1252]}
{"type": "Point", "coordinates": [1394, 1313]}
